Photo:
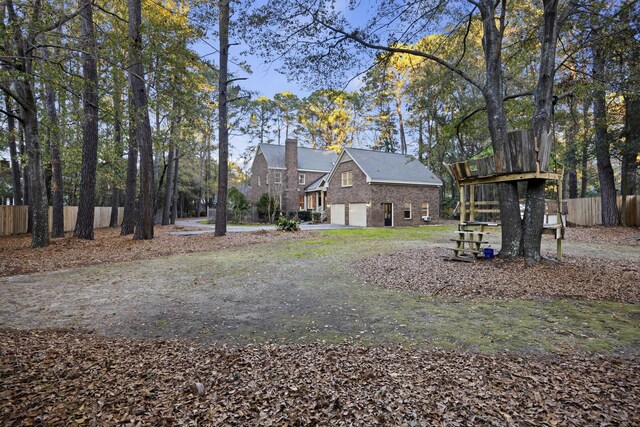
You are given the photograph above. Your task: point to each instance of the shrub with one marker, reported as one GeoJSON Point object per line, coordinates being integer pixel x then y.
{"type": "Point", "coordinates": [285, 224]}
{"type": "Point", "coordinates": [304, 216]}
{"type": "Point", "coordinates": [238, 203]}
{"type": "Point", "coordinates": [317, 216]}
{"type": "Point", "coordinates": [268, 207]}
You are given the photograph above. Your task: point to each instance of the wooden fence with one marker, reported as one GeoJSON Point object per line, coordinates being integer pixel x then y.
{"type": "Point", "coordinates": [588, 211]}
{"type": "Point", "coordinates": [13, 219]}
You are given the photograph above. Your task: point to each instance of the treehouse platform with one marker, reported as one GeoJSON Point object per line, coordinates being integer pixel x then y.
{"type": "Point", "coordinates": [525, 158]}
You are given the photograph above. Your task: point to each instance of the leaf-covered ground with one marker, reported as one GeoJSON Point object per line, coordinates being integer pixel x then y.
{"type": "Point", "coordinates": [17, 257]}
{"type": "Point", "coordinates": [59, 378]}
{"type": "Point", "coordinates": [427, 272]}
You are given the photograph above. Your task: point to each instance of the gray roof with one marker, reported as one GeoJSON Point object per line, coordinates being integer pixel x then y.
{"type": "Point", "coordinates": [381, 167]}
{"type": "Point", "coordinates": [309, 159]}
{"type": "Point", "coordinates": [317, 184]}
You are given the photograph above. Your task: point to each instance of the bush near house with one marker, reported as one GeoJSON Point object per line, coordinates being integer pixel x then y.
{"type": "Point", "coordinates": [285, 224]}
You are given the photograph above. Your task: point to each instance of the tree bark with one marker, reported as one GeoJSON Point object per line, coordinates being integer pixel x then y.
{"type": "Point", "coordinates": [144, 226]}
{"type": "Point", "coordinates": [16, 189]}
{"type": "Point", "coordinates": [118, 89]}
{"type": "Point", "coordinates": [37, 195]}
{"type": "Point", "coordinates": [533, 220]}
{"type": "Point", "coordinates": [35, 188]}
{"type": "Point", "coordinates": [403, 137]}
{"type": "Point", "coordinates": [174, 198]}
{"type": "Point", "coordinates": [631, 146]}
{"type": "Point", "coordinates": [493, 93]}
{"type": "Point", "coordinates": [86, 207]}
{"type": "Point", "coordinates": [572, 155]}
{"type": "Point", "coordinates": [130, 217]}
{"type": "Point", "coordinates": [173, 143]}
{"type": "Point", "coordinates": [630, 152]}
{"type": "Point", "coordinates": [57, 193]}
{"type": "Point", "coordinates": [584, 158]}
{"type": "Point", "coordinates": [603, 155]}
{"type": "Point", "coordinates": [223, 130]}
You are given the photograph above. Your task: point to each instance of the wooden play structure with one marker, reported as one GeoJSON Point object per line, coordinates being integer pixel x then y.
{"type": "Point", "coordinates": [525, 158]}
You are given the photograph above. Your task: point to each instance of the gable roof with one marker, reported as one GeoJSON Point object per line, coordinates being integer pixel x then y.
{"type": "Point", "coordinates": [318, 184]}
{"type": "Point", "coordinates": [309, 159]}
{"type": "Point", "coordinates": [382, 167]}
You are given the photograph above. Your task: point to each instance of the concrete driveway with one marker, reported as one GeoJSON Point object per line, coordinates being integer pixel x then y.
{"type": "Point", "coordinates": [209, 228]}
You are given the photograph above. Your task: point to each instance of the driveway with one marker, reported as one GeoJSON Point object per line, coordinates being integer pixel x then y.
{"type": "Point", "coordinates": [209, 228]}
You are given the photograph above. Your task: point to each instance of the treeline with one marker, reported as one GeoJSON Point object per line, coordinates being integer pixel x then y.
{"type": "Point", "coordinates": [106, 103]}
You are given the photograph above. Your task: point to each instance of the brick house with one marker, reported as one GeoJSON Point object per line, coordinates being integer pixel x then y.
{"type": "Point", "coordinates": [292, 173]}
{"type": "Point", "coordinates": [357, 187]}
{"type": "Point", "coordinates": [374, 188]}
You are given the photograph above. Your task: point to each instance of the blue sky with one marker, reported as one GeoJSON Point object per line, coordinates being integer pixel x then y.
{"type": "Point", "coordinates": [264, 79]}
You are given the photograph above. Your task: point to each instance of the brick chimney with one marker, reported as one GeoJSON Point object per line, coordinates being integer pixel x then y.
{"type": "Point", "coordinates": [290, 178]}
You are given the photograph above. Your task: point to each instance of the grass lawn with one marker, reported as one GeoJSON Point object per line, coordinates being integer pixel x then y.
{"type": "Point", "coordinates": [302, 291]}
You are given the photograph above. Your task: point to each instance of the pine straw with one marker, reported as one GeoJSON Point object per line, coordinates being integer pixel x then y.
{"type": "Point", "coordinates": [16, 256]}
{"type": "Point", "coordinates": [58, 378]}
{"type": "Point", "coordinates": [427, 272]}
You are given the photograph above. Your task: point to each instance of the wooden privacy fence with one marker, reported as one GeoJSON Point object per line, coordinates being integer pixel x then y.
{"type": "Point", "coordinates": [588, 211]}
{"type": "Point", "coordinates": [13, 219]}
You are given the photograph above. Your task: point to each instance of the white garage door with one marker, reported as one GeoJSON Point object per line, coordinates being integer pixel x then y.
{"type": "Point", "coordinates": [358, 214]}
{"type": "Point", "coordinates": [337, 214]}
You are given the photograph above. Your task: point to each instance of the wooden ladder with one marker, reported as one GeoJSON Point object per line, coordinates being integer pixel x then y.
{"type": "Point", "coordinates": [468, 244]}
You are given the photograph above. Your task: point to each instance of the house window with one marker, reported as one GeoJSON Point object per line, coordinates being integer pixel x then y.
{"type": "Point", "coordinates": [277, 177]}
{"type": "Point", "coordinates": [347, 179]}
{"type": "Point", "coordinates": [259, 182]}
{"type": "Point", "coordinates": [424, 209]}
{"type": "Point", "coordinates": [301, 203]}
{"type": "Point", "coordinates": [302, 179]}
{"type": "Point", "coordinates": [407, 211]}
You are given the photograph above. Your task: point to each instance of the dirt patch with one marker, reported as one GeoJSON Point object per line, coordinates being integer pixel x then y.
{"type": "Point", "coordinates": [427, 272]}
{"type": "Point", "coordinates": [17, 257]}
{"type": "Point", "coordinates": [58, 378]}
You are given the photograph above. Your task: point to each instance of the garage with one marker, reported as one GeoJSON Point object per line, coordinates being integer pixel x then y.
{"type": "Point", "coordinates": [358, 214]}
{"type": "Point", "coordinates": [337, 214]}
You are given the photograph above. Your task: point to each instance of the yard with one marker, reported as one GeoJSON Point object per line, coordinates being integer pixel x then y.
{"type": "Point", "coordinates": [355, 326]}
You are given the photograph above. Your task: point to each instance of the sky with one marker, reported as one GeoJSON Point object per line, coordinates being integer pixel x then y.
{"type": "Point", "coordinates": [265, 80]}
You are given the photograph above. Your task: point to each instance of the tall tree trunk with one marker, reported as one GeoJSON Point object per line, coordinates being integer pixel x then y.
{"type": "Point", "coordinates": [631, 146]}
{"type": "Point", "coordinates": [630, 152]}
{"type": "Point", "coordinates": [16, 186]}
{"type": "Point", "coordinates": [115, 207]}
{"type": "Point", "coordinates": [55, 139]}
{"type": "Point", "coordinates": [403, 137]}
{"type": "Point", "coordinates": [25, 177]}
{"type": "Point", "coordinates": [35, 189]}
{"type": "Point", "coordinates": [86, 207]}
{"type": "Point", "coordinates": [144, 226]}
{"type": "Point", "coordinates": [118, 89]}
{"type": "Point", "coordinates": [174, 198]}
{"type": "Point", "coordinates": [493, 95]}
{"type": "Point", "coordinates": [584, 158]}
{"type": "Point", "coordinates": [533, 220]}
{"type": "Point", "coordinates": [603, 155]}
{"type": "Point", "coordinates": [37, 194]}
{"type": "Point", "coordinates": [130, 217]}
{"type": "Point", "coordinates": [173, 143]}
{"type": "Point", "coordinates": [223, 130]}
{"type": "Point", "coordinates": [572, 154]}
